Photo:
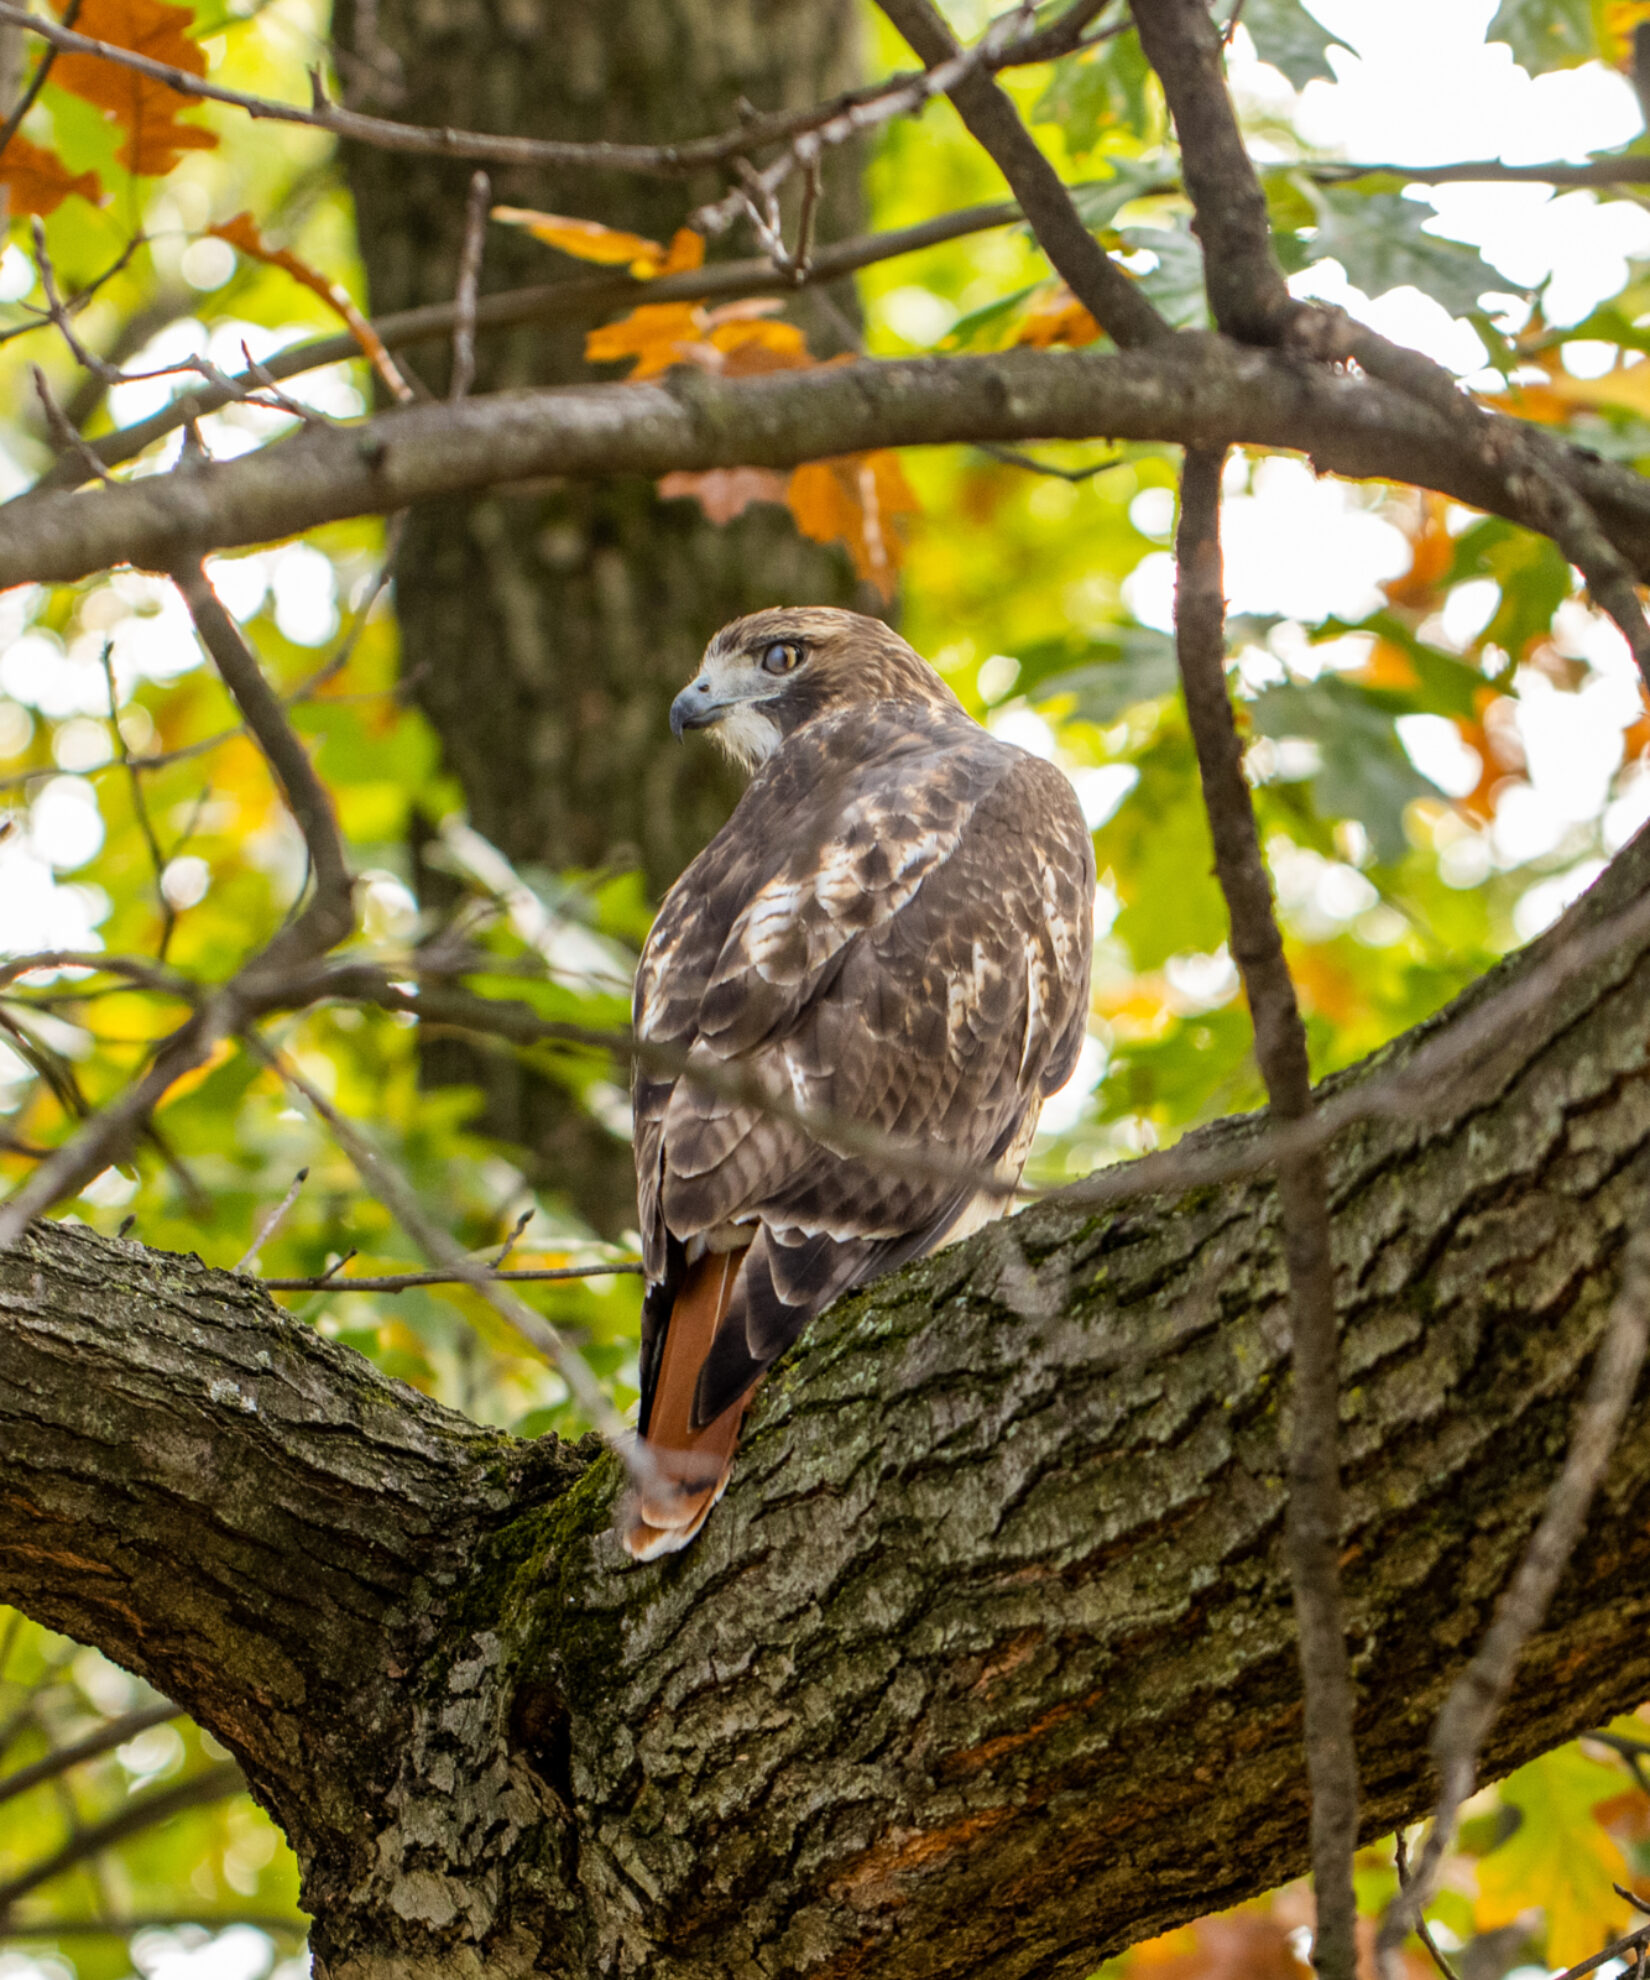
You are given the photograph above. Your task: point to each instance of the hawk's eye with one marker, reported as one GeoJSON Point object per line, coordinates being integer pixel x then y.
{"type": "Point", "coordinates": [781, 657]}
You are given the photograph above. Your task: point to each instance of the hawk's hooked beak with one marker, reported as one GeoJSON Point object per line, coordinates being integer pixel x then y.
{"type": "Point", "coordinates": [696, 707]}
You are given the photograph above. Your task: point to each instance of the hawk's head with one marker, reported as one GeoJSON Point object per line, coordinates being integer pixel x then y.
{"type": "Point", "coordinates": [764, 676]}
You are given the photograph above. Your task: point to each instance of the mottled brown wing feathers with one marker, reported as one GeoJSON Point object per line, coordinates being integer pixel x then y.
{"type": "Point", "coordinates": [894, 928]}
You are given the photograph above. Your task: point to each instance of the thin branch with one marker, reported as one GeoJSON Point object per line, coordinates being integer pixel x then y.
{"type": "Point", "coordinates": [385, 1181]}
{"type": "Point", "coordinates": [1423, 1931]}
{"type": "Point", "coordinates": [214, 1784]}
{"type": "Point", "coordinates": [1111, 297]}
{"type": "Point", "coordinates": [659, 161]}
{"type": "Point", "coordinates": [152, 1921]}
{"type": "Point", "coordinates": [116, 1732]}
{"type": "Point", "coordinates": [1247, 294]}
{"type": "Point", "coordinates": [271, 1223]}
{"type": "Point", "coordinates": [1313, 1524]}
{"type": "Point", "coordinates": [140, 806]}
{"type": "Point", "coordinates": [469, 281]}
{"type": "Point", "coordinates": [1013, 457]}
{"type": "Point", "coordinates": [328, 917]}
{"type": "Point", "coordinates": [395, 1282]}
{"type": "Point", "coordinates": [582, 300]}
{"type": "Point", "coordinates": [36, 83]}
{"type": "Point", "coordinates": [1479, 1693]}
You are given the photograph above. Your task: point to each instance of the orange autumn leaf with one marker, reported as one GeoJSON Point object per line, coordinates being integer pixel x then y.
{"type": "Point", "coordinates": [611, 247]}
{"type": "Point", "coordinates": [145, 109]}
{"type": "Point", "coordinates": [242, 234]}
{"type": "Point", "coordinates": [748, 348]}
{"type": "Point", "coordinates": [656, 336]}
{"type": "Point", "coordinates": [37, 180]}
{"type": "Point", "coordinates": [855, 499]}
{"type": "Point", "coordinates": [1058, 318]}
{"type": "Point", "coordinates": [1431, 553]}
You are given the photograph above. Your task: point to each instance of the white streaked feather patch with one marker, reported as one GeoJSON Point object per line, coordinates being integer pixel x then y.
{"type": "Point", "coordinates": [748, 736]}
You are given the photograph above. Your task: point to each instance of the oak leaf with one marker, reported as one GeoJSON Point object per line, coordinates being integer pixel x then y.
{"type": "Point", "coordinates": [37, 180]}
{"type": "Point", "coordinates": [145, 109]}
{"type": "Point", "coordinates": [855, 499]}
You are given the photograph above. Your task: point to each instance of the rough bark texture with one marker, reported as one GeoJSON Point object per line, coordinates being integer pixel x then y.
{"type": "Point", "coordinates": [578, 609]}
{"type": "Point", "coordinates": [986, 1664]}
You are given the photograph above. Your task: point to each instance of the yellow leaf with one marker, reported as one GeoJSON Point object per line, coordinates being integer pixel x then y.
{"type": "Point", "coordinates": [1627, 387]}
{"type": "Point", "coordinates": [1559, 1857]}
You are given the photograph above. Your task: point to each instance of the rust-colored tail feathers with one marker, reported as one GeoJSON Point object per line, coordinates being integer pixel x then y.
{"type": "Point", "coordinates": [691, 1466]}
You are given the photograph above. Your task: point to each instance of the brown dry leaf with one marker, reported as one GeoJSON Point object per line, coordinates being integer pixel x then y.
{"type": "Point", "coordinates": [612, 247]}
{"type": "Point", "coordinates": [242, 234]}
{"type": "Point", "coordinates": [749, 347]}
{"type": "Point", "coordinates": [37, 180]}
{"type": "Point", "coordinates": [854, 499]}
{"type": "Point", "coordinates": [724, 493]}
{"type": "Point", "coordinates": [1057, 318]}
{"type": "Point", "coordinates": [145, 109]}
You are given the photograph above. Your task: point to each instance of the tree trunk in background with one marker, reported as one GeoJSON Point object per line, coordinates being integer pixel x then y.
{"type": "Point", "coordinates": [548, 629]}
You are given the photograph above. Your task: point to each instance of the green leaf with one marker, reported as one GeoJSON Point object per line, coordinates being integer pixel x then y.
{"type": "Point", "coordinates": [1176, 283]}
{"type": "Point", "coordinates": [1288, 37]}
{"type": "Point", "coordinates": [1531, 571]}
{"type": "Point", "coordinates": [1546, 34]}
{"type": "Point", "coordinates": [1363, 772]}
{"type": "Point", "coordinates": [1099, 201]}
{"type": "Point", "coordinates": [1379, 239]}
{"type": "Point", "coordinates": [1445, 685]}
{"type": "Point", "coordinates": [1103, 90]}
{"type": "Point", "coordinates": [1158, 846]}
{"type": "Point", "coordinates": [1114, 676]}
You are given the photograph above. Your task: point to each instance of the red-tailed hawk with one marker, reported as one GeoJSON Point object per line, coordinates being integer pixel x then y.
{"type": "Point", "coordinates": [894, 928]}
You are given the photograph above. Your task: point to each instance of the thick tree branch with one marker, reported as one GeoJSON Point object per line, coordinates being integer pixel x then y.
{"type": "Point", "coordinates": [1199, 391]}
{"type": "Point", "coordinates": [1111, 298]}
{"type": "Point", "coordinates": [987, 1653]}
{"type": "Point", "coordinates": [1314, 1515]}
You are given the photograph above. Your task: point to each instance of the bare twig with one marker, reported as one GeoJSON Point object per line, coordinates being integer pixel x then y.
{"type": "Point", "coordinates": [469, 281]}
{"type": "Point", "coordinates": [140, 806]}
{"type": "Point", "coordinates": [212, 1784]}
{"type": "Point", "coordinates": [115, 1733]}
{"type": "Point", "coordinates": [660, 161]}
{"type": "Point", "coordinates": [328, 917]}
{"type": "Point", "coordinates": [395, 1282]}
{"type": "Point", "coordinates": [512, 1238]}
{"type": "Point", "coordinates": [584, 299]}
{"type": "Point", "coordinates": [1013, 457]}
{"type": "Point", "coordinates": [1478, 1694]}
{"type": "Point", "coordinates": [68, 441]}
{"type": "Point", "coordinates": [37, 82]}
{"type": "Point", "coordinates": [1423, 1931]}
{"type": "Point", "coordinates": [385, 1181]}
{"type": "Point", "coordinates": [1314, 1512]}
{"type": "Point", "coordinates": [1116, 304]}
{"type": "Point", "coordinates": [271, 1223]}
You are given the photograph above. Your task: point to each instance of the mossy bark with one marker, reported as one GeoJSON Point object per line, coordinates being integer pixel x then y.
{"type": "Point", "coordinates": [986, 1664]}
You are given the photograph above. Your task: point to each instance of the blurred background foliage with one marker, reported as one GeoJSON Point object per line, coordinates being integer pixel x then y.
{"type": "Point", "coordinates": [1447, 743]}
